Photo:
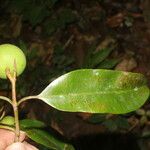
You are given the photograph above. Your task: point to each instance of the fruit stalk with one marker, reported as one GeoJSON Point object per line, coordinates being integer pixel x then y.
{"type": "Point", "coordinates": [12, 78]}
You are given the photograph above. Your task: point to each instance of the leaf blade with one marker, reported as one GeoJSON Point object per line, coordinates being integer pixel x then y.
{"type": "Point", "coordinates": [47, 140]}
{"type": "Point", "coordinates": [30, 123]}
{"type": "Point", "coordinates": [97, 91]}
{"type": "Point", "coordinates": [100, 56]}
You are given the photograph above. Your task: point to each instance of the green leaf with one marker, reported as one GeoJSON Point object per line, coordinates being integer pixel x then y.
{"type": "Point", "coordinates": [108, 64]}
{"type": "Point", "coordinates": [99, 56]}
{"type": "Point", "coordinates": [87, 59]}
{"type": "Point", "coordinates": [30, 123]}
{"type": "Point", "coordinates": [47, 140]}
{"type": "Point", "coordinates": [97, 91]}
{"type": "Point", "coordinates": [8, 120]}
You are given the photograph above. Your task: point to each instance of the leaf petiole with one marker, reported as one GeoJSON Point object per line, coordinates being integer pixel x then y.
{"type": "Point", "coordinates": [6, 99]}
{"type": "Point", "coordinates": [27, 98]}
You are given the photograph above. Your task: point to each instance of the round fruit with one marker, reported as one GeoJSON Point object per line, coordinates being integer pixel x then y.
{"type": "Point", "coordinates": [8, 55]}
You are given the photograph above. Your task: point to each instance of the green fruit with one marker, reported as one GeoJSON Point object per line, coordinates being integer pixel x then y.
{"type": "Point", "coordinates": [8, 120]}
{"type": "Point", "coordinates": [8, 55]}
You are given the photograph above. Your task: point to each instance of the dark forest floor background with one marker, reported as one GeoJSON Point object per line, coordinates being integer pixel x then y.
{"type": "Point", "coordinates": [58, 36]}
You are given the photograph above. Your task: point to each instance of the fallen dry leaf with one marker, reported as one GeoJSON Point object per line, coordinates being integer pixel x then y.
{"type": "Point", "coordinates": [115, 20]}
{"type": "Point", "coordinates": [127, 64]}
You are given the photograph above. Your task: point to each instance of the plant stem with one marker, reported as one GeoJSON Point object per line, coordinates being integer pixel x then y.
{"type": "Point", "coordinates": [15, 108]}
{"type": "Point", "coordinates": [12, 78]}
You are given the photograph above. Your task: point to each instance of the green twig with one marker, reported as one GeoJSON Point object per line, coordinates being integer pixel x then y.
{"type": "Point", "coordinates": [12, 77]}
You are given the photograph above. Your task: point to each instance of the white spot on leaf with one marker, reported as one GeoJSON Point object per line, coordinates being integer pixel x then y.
{"type": "Point", "coordinates": [95, 72]}
{"type": "Point", "coordinates": [135, 89]}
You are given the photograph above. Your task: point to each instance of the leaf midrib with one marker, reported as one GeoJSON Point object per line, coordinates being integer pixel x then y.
{"type": "Point", "coordinates": [93, 93]}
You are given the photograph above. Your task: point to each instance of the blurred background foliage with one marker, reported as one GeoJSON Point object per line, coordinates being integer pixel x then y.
{"type": "Point", "coordinates": [58, 36]}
